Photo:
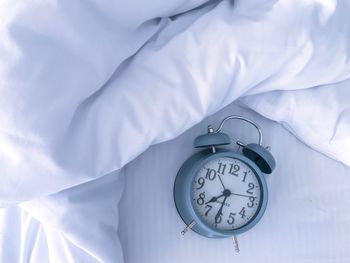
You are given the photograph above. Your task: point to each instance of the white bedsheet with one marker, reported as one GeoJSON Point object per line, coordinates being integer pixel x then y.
{"type": "Point", "coordinates": [86, 87]}
{"type": "Point", "coordinates": [307, 218]}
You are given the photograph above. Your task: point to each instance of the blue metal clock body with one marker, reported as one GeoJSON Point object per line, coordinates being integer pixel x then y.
{"type": "Point", "coordinates": [254, 156]}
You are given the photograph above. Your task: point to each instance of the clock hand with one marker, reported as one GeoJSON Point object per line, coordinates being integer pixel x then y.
{"type": "Point", "coordinates": [221, 181]}
{"type": "Point", "coordinates": [214, 199]}
{"type": "Point", "coordinates": [226, 193]}
{"type": "Point", "coordinates": [243, 195]}
{"type": "Point", "coordinates": [219, 213]}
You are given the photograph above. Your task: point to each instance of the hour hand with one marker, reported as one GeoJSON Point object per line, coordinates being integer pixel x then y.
{"type": "Point", "coordinates": [214, 199]}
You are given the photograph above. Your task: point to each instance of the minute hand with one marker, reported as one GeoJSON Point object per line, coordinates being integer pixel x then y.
{"type": "Point", "coordinates": [219, 213]}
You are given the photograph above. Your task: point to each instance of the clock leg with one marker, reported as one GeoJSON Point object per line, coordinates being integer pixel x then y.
{"type": "Point", "coordinates": [235, 243]}
{"type": "Point", "coordinates": [192, 224]}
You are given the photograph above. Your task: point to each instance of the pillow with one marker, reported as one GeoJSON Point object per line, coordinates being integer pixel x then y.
{"type": "Point", "coordinates": [320, 117]}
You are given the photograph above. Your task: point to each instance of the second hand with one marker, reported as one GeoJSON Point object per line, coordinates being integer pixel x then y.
{"type": "Point", "coordinates": [243, 195]}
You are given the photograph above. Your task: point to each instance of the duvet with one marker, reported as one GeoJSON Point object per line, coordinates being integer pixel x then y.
{"type": "Point", "coordinates": [86, 87]}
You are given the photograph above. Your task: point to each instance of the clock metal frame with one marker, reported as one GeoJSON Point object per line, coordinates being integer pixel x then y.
{"type": "Point", "coordinates": [183, 195]}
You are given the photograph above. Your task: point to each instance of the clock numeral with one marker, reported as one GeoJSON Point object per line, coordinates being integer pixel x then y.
{"type": "Point", "coordinates": [242, 212]}
{"type": "Point", "coordinates": [251, 201]}
{"type": "Point", "coordinates": [200, 200]}
{"type": "Point", "coordinates": [245, 175]}
{"type": "Point", "coordinates": [218, 219]}
{"type": "Point", "coordinates": [209, 208]}
{"type": "Point", "coordinates": [234, 169]}
{"type": "Point", "coordinates": [250, 188]}
{"type": "Point", "coordinates": [201, 182]}
{"type": "Point", "coordinates": [211, 174]}
{"type": "Point", "coordinates": [222, 168]}
{"type": "Point", "coordinates": [231, 219]}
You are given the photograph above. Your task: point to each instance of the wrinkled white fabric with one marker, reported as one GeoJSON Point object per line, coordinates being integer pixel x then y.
{"type": "Point", "coordinates": [88, 86]}
{"type": "Point", "coordinates": [55, 58]}
{"type": "Point", "coordinates": [63, 124]}
{"type": "Point", "coordinates": [320, 117]}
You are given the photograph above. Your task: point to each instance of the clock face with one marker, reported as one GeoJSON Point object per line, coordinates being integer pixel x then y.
{"type": "Point", "coordinates": [226, 193]}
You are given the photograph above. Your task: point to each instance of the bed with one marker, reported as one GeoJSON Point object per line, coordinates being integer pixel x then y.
{"type": "Point", "coordinates": [307, 219]}
{"type": "Point", "coordinates": [101, 101]}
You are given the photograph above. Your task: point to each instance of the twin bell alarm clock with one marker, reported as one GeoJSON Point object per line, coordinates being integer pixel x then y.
{"type": "Point", "coordinates": [219, 192]}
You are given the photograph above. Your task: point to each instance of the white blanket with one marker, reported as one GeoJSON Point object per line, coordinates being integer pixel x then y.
{"type": "Point", "coordinates": [86, 87]}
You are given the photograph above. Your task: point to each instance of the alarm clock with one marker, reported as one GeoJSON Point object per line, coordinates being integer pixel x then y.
{"type": "Point", "coordinates": [219, 192]}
